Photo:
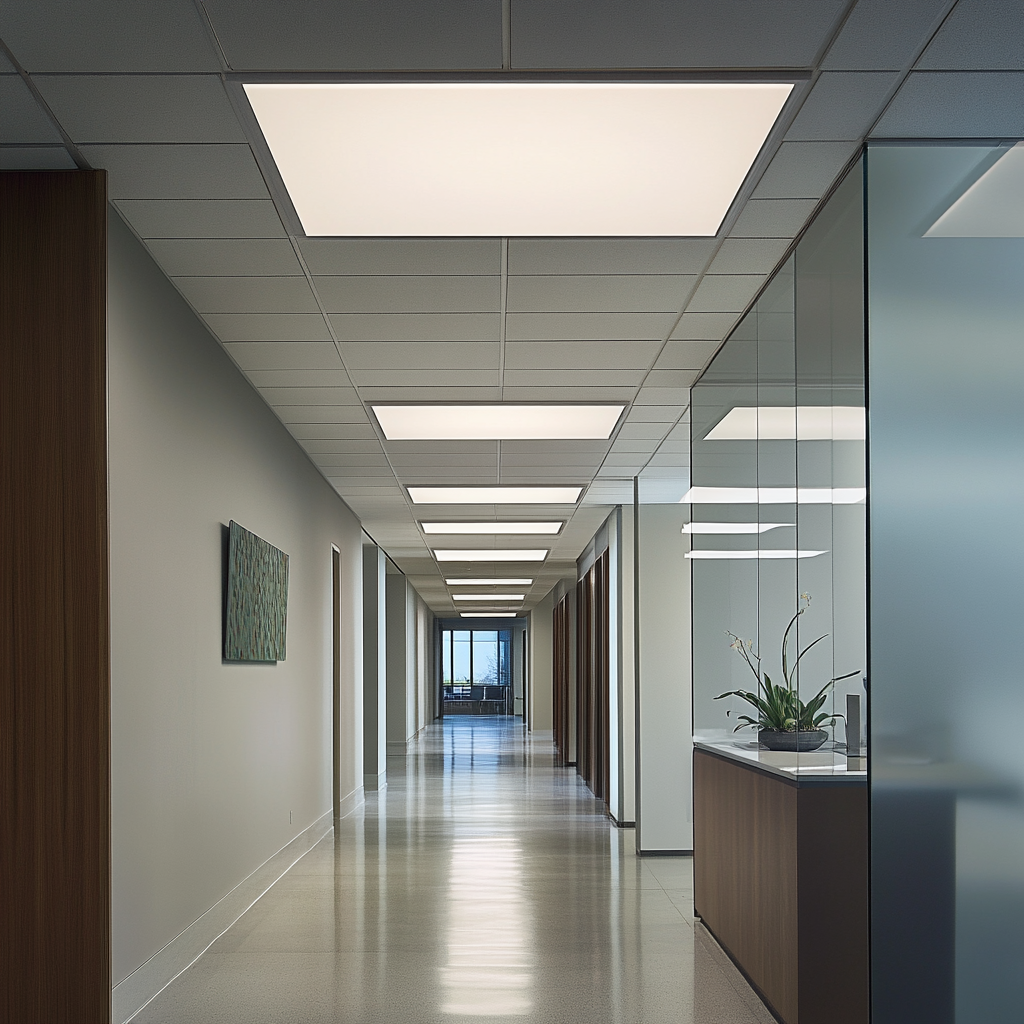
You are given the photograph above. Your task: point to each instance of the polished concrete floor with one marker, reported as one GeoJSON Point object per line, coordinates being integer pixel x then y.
{"type": "Point", "coordinates": [484, 884]}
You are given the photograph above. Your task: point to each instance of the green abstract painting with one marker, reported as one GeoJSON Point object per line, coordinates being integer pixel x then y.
{"type": "Point", "coordinates": [256, 617]}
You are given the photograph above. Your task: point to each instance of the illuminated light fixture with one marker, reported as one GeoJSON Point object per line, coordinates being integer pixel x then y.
{"type": "Point", "coordinates": [773, 496]}
{"type": "Point", "coordinates": [731, 527]}
{"type": "Point", "coordinates": [493, 528]}
{"type": "Point", "coordinates": [497, 598]}
{"type": "Point", "coordinates": [489, 615]}
{"type": "Point", "coordinates": [497, 422]}
{"type": "Point", "coordinates": [991, 207]}
{"type": "Point", "coordinates": [790, 423]}
{"type": "Point", "coordinates": [489, 583]}
{"type": "Point", "coordinates": [488, 555]}
{"type": "Point", "coordinates": [499, 159]}
{"type": "Point", "coordinates": [494, 495]}
{"type": "Point", "coordinates": [773, 553]}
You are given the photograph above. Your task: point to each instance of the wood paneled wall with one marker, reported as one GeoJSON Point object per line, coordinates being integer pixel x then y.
{"type": "Point", "coordinates": [54, 650]}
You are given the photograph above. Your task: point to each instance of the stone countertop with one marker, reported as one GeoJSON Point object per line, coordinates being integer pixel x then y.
{"type": "Point", "coordinates": [824, 766]}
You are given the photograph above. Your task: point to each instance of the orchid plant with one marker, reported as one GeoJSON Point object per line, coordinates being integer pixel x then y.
{"type": "Point", "coordinates": [778, 705]}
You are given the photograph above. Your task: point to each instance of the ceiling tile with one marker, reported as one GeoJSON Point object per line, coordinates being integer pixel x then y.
{"type": "Point", "coordinates": [606, 393]}
{"type": "Point", "coordinates": [416, 326]}
{"type": "Point", "coordinates": [179, 172]}
{"type": "Point", "coordinates": [553, 378]}
{"type": "Point", "coordinates": [883, 35]}
{"type": "Point", "coordinates": [330, 446]}
{"type": "Point", "coordinates": [321, 413]}
{"type": "Point", "coordinates": [587, 326]}
{"type": "Point", "coordinates": [956, 105]}
{"type": "Point", "coordinates": [569, 446]}
{"type": "Point", "coordinates": [141, 108]}
{"type": "Point", "coordinates": [625, 256]}
{"type": "Point", "coordinates": [654, 414]}
{"type": "Point", "coordinates": [416, 449]}
{"type": "Point", "coordinates": [749, 256]}
{"type": "Point", "coordinates": [594, 355]}
{"type": "Point", "coordinates": [704, 326]}
{"type": "Point", "coordinates": [842, 105]}
{"type": "Point", "coordinates": [202, 218]}
{"type": "Point", "coordinates": [355, 462]}
{"type": "Point", "coordinates": [803, 170]}
{"type": "Point", "coordinates": [298, 378]}
{"type": "Point", "coordinates": [599, 293]}
{"type": "Point", "coordinates": [410, 294]}
{"type": "Point", "coordinates": [652, 34]}
{"type": "Point", "coordinates": [685, 355]}
{"type": "Point", "coordinates": [643, 430]}
{"type": "Point", "coordinates": [652, 394]}
{"type": "Point", "coordinates": [325, 431]}
{"type": "Point", "coordinates": [424, 378]}
{"type": "Point", "coordinates": [23, 121]}
{"type": "Point", "coordinates": [658, 379]}
{"type": "Point", "coordinates": [397, 256]}
{"type": "Point", "coordinates": [773, 218]}
{"type": "Point", "coordinates": [978, 35]}
{"type": "Point", "coordinates": [725, 293]}
{"type": "Point", "coordinates": [323, 395]}
{"type": "Point", "coordinates": [385, 34]}
{"type": "Point", "coordinates": [215, 257]}
{"type": "Point", "coordinates": [412, 355]}
{"type": "Point", "coordinates": [268, 326]}
{"type": "Point", "coordinates": [438, 393]}
{"type": "Point", "coordinates": [147, 36]}
{"type": "Point", "coordinates": [285, 355]}
{"type": "Point", "coordinates": [249, 295]}
{"type": "Point", "coordinates": [35, 158]}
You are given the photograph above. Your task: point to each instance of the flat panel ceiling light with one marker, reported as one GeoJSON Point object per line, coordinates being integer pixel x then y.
{"type": "Point", "coordinates": [497, 422]}
{"type": "Point", "coordinates": [731, 527]}
{"type": "Point", "coordinates": [489, 598]}
{"type": "Point", "coordinates": [493, 529]}
{"type": "Point", "coordinates": [489, 583]}
{"type": "Point", "coordinates": [490, 555]}
{"type": "Point", "coordinates": [773, 496]}
{"type": "Point", "coordinates": [773, 553]}
{"type": "Point", "coordinates": [494, 495]}
{"type": "Point", "coordinates": [789, 423]}
{"type": "Point", "coordinates": [497, 159]}
{"type": "Point", "coordinates": [489, 615]}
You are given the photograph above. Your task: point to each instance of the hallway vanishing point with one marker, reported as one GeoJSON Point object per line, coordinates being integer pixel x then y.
{"type": "Point", "coordinates": [484, 883]}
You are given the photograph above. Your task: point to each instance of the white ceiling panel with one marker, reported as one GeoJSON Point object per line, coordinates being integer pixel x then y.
{"type": "Point", "coordinates": [956, 105]}
{"type": "Point", "coordinates": [654, 414]}
{"type": "Point", "coordinates": [439, 393]}
{"type": "Point", "coordinates": [978, 35]}
{"type": "Point", "coordinates": [620, 393]}
{"type": "Point", "coordinates": [423, 378]}
{"type": "Point", "coordinates": [35, 158]}
{"type": "Point", "coordinates": [141, 108]}
{"type": "Point", "coordinates": [842, 105]}
{"type": "Point", "coordinates": [321, 413]}
{"type": "Point", "coordinates": [442, 460]}
{"type": "Point", "coordinates": [803, 170]}
{"type": "Point", "coordinates": [631, 355]}
{"type": "Point", "coordinates": [568, 446]}
{"type": "Point", "coordinates": [883, 35]}
{"type": "Point", "coordinates": [773, 218]}
{"type": "Point", "coordinates": [413, 355]}
{"type": "Point", "coordinates": [418, 448]}
{"type": "Point", "coordinates": [410, 294]}
{"type": "Point", "coordinates": [660, 379]}
{"type": "Point", "coordinates": [202, 218]}
{"type": "Point", "coordinates": [587, 326]}
{"type": "Point", "coordinates": [654, 395]}
{"type": "Point", "coordinates": [339, 431]}
{"type": "Point", "coordinates": [636, 446]}
{"type": "Point", "coordinates": [729, 293]}
{"type": "Point", "coordinates": [268, 326]}
{"type": "Point", "coordinates": [325, 395]}
{"type": "Point", "coordinates": [749, 256]}
{"type": "Point", "coordinates": [703, 326]}
{"type": "Point", "coordinates": [689, 34]}
{"type": "Point", "coordinates": [179, 172]}
{"type": "Point", "coordinates": [643, 430]}
{"type": "Point", "coordinates": [454, 257]}
{"type": "Point", "coordinates": [150, 35]}
{"type": "Point", "coordinates": [599, 293]}
{"type": "Point", "coordinates": [392, 34]}
{"type": "Point", "coordinates": [249, 295]}
{"type": "Point", "coordinates": [618, 256]}
{"type": "Point", "coordinates": [416, 326]}
{"type": "Point", "coordinates": [684, 355]}
{"type": "Point", "coordinates": [553, 378]}
{"type": "Point", "coordinates": [24, 121]}
{"type": "Point", "coordinates": [337, 446]}
{"type": "Point", "coordinates": [298, 378]}
{"type": "Point", "coordinates": [285, 355]}
{"type": "Point", "coordinates": [215, 257]}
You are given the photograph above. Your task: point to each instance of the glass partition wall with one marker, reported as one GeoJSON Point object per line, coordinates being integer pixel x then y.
{"type": "Point", "coordinates": [777, 500]}
{"type": "Point", "coordinates": [476, 669]}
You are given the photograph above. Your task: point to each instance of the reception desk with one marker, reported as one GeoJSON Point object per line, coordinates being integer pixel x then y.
{"type": "Point", "coordinates": [780, 865]}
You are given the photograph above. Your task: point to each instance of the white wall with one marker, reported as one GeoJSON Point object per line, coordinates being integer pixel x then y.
{"type": "Point", "coordinates": [539, 658]}
{"type": "Point", "coordinates": [398, 724]}
{"type": "Point", "coordinates": [215, 766]}
{"type": "Point", "coordinates": [664, 812]}
{"type": "Point", "coordinates": [374, 668]}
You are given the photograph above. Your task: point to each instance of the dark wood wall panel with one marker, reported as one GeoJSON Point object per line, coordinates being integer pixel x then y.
{"type": "Point", "coordinates": [54, 650]}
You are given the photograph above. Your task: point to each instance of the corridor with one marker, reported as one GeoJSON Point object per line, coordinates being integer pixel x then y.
{"type": "Point", "coordinates": [483, 884]}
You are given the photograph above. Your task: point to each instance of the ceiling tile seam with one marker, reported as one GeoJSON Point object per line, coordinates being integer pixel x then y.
{"type": "Point", "coordinates": [211, 34]}
{"type": "Point", "coordinates": [832, 35]}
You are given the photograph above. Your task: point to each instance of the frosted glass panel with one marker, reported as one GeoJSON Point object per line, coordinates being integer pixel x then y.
{"type": "Point", "coordinates": [946, 437]}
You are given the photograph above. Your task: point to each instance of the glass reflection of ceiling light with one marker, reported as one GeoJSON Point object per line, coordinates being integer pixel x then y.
{"type": "Point", "coordinates": [772, 553]}
{"type": "Point", "coordinates": [488, 615]}
{"type": "Point", "coordinates": [497, 422]}
{"type": "Point", "coordinates": [494, 159]}
{"type": "Point", "coordinates": [494, 495]}
{"type": "Point", "coordinates": [731, 527]}
{"type": "Point", "coordinates": [497, 598]}
{"type": "Point", "coordinates": [488, 583]}
{"type": "Point", "coordinates": [490, 555]}
{"type": "Point", "coordinates": [773, 496]}
{"type": "Point", "coordinates": [788, 423]}
{"type": "Point", "coordinates": [991, 207]}
{"type": "Point", "coordinates": [493, 528]}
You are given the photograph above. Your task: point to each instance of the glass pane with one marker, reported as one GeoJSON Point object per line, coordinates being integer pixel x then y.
{"type": "Point", "coordinates": [485, 657]}
{"type": "Point", "coordinates": [461, 673]}
{"type": "Point", "coordinates": [446, 657]}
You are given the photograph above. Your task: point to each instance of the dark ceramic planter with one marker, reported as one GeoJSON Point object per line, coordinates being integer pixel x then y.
{"type": "Point", "coordinates": [808, 740]}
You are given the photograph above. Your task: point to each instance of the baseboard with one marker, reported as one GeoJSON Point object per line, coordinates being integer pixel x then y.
{"type": "Point", "coordinates": [352, 802]}
{"type": "Point", "coordinates": [135, 992]}
{"type": "Point", "coordinates": [375, 783]}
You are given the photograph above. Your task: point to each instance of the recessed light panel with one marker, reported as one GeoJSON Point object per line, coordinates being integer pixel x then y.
{"type": "Point", "coordinates": [489, 555]}
{"type": "Point", "coordinates": [497, 422]}
{"type": "Point", "coordinates": [489, 615]}
{"type": "Point", "coordinates": [489, 598]}
{"type": "Point", "coordinates": [722, 528]}
{"type": "Point", "coordinates": [773, 496]}
{"type": "Point", "coordinates": [775, 553]}
{"type": "Point", "coordinates": [789, 423]}
{"type": "Point", "coordinates": [492, 529]}
{"type": "Point", "coordinates": [497, 159]}
{"type": "Point", "coordinates": [488, 583]}
{"type": "Point", "coordinates": [494, 495]}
